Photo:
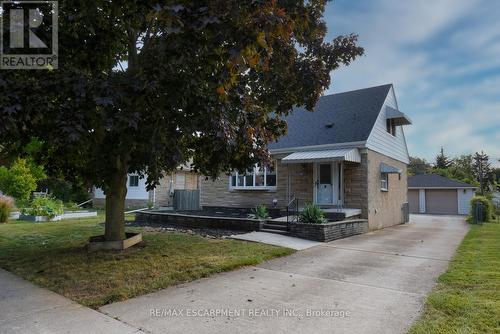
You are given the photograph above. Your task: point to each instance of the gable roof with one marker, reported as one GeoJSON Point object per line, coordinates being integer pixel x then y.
{"type": "Point", "coordinates": [338, 118]}
{"type": "Point", "coordinates": [435, 181]}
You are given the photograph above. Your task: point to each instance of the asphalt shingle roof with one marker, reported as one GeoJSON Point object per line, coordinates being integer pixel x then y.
{"type": "Point", "coordinates": [435, 181]}
{"type": "Point", "coordinates": [337, 118]}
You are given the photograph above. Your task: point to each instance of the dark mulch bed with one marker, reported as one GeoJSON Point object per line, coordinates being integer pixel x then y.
{"type": "Point", "coordinates": [215, 213]}
{"type": "Point", "coordinates": [204, 232]}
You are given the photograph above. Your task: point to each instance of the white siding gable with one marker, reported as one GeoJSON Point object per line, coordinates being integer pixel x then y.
{"type": "Point", "coordinates": [138, 192]}
{"type": "Point", "coordinates": [464, 197]}
{"type": "Point", "coordinates": [383, 142]}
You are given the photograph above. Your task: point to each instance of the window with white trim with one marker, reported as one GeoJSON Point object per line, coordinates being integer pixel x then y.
{"type": "Point", "coordinates": [133, 181]}
{"type": "Point", "coordinates": [391, 126]}
{"type": "Point", "coordinates": [384, 181]}
{"type": "Point", "coordinates": [255, 178]}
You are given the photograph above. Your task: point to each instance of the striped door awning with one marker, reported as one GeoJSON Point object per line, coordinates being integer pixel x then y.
{"type": "Point", "coordinates": [348, 154]}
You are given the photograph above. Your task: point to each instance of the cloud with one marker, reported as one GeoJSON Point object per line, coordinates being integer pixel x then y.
{"type": "Point", "coordinates": [442, 57]}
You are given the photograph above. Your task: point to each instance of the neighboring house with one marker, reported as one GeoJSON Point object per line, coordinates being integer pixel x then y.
{"type": "Point", "coordinates": [435, 194]}
{"type": "Point", "coordinates": [161, 196]}
{"type": "Point", "coordinates": [349, 155]}
{"type": "Point", "coordinates": [496, 198]}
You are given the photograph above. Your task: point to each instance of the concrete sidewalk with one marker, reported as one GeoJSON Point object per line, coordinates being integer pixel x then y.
{"type": "Point", "coordinates": [371, 283]}
{"type": "Point", "coordinates": [26, 308]}
{"type": "Point", "coordinates": [277, 240]}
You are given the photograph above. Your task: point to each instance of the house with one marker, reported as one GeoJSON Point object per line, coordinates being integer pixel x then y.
{"type": "Point", "coordinates": [496, 198]}
{"type": "Point", "coordinates": [162, 196]}
{"type": "Point", "coordinates": [435, 194]}
{"type": "Point", "coordinates": [348, 156]}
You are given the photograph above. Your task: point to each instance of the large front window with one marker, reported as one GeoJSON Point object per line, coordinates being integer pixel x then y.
{"type": "Point", "coordinates": [255, 178]}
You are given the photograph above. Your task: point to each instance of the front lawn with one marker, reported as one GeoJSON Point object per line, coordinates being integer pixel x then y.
{"type": "Point", "coordinates": [53, 256]}
{"type": "Point", "coordinates": [467, 297]}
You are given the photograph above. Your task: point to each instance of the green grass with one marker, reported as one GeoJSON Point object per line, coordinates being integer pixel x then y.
{"type": "Point", "coordinates": [53, 256]}
{"type": "Point", "coordinates": [467, 297]}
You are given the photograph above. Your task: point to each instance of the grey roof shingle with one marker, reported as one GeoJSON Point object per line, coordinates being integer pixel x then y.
{"type": "Point", "coordinates": [435, 181]}
{"type": "Point", "coordinates": [350, 117]}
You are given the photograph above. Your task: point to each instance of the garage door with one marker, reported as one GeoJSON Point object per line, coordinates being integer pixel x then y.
{"type": "Point", "coordinates": [441, 201]}
{"type": "Point", "coordinates": [413, 201]}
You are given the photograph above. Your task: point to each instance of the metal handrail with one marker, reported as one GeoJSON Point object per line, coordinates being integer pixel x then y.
{"type": "Point", "coordinates": [83, 203]}
{"type": "Point", "coordinates": [292, 210]}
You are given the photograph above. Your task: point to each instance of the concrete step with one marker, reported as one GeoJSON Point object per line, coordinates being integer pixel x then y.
{"type": "Point", "coordinates": [275, 227]}
{"type": "Point", "coordinates": [275, 224]}
{"type": "Point", "coordinates": [273, 231]}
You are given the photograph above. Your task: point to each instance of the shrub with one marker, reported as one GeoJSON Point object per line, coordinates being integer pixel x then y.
{"type": "Point", "coordinates": [45, 206]}
{"type": "Point", "coordinates": [6, 204]}
{"type": "Point", "coordinates": [19, 181]}
{"type": "Point", "coordinates": [260, 212]}
{"type": "Point", "coordinates": [487, 209]}
{"type": "Point", "coordinates": [312, 215]}
{"type": "Point", "coordinates": [64, 190]}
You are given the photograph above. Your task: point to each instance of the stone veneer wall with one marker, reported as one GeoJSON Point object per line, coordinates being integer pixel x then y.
{"type": "Point", "coordinates": [217, 193]}
{"type": "Point", "coordinates": [384, 207]}
{"type": "Point", "coordinates": [330, 231]}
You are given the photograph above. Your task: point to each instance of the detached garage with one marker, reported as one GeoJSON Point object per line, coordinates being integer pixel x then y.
{"type": "Point", "coordinates": [434, 194]}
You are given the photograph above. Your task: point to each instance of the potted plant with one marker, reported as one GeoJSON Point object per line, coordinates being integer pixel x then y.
{"type": "Point", "coordinates": [260, 212]}
{"type": "Point", "coordinates": [312, 214]}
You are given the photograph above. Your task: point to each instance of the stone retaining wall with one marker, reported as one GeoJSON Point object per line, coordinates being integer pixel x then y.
{"type": "Point", "coordinates": [192, 221]}
{"type": "Point", "coordinates": [330, 231]}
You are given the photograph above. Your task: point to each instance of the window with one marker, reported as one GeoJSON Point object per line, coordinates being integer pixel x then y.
{"type": "Point", "coordinates": [133, 181]}
{"type": "Point", "coordinates": [180, 181]}
{"type": "Point", "coordinates": [384, 181]}
{"type": "Point", "coordinates": [254, 178]}
{"type": "Point", "coordinates": [391, 127]}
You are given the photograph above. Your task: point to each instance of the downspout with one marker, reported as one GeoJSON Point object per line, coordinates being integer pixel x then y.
{"type": "Point", "coordinates": [341, 184]}
{"type": "Point", "coordinates": [198, 186]}
{"type": "Point", "coordinates": [288, 195]}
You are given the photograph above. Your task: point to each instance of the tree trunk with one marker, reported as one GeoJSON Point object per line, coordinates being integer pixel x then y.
{"type": "Point", "coordinates": [115, 207]}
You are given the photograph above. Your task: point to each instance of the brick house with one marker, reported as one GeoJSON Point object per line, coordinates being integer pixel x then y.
{"type": "Point", "coordinates": [348, 156]}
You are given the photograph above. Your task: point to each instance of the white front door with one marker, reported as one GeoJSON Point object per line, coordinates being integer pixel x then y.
{"type": "Point", "coordinates": [324, 184]}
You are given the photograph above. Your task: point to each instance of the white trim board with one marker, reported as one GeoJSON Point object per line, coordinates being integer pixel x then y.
{"type": "Point", "coordinates": [354, 144]}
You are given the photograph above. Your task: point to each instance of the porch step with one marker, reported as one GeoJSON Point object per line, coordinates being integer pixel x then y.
{"type": "Point", "coordinates": [269, 230]}
{"type": "Point", "coordinates": [275, 226]}
{"type": "Point", "coordinates": [276, 222]}
{"type": "Point", "coordinates": [335, 216]}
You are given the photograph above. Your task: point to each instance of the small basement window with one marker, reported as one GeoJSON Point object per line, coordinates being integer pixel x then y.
{"type": "Point", "coordinates": [391, 126]}
{"type": "Point", "coordinates": [384, 181]}
{"type": "Point", "coordinates": [133, 181]}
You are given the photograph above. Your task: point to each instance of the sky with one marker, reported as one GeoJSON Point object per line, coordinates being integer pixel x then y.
{"type": "Point", "coordinates": [443, 57]}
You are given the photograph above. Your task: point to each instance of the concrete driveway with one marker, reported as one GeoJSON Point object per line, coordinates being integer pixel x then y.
{"type": "Point", "coordinates": [29, 309]}
{"type": "Point", "coordinates": [372, 283]}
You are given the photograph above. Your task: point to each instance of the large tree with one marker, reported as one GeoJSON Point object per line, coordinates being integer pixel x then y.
{"type": "Point", "coordinates": [442, 160]}
{"type": "Point", "coordinates": [143, 86]}
{"type": "Point", "coordinates": [482, 170]}
{"type": "Point", "coordinates": [418, 166]}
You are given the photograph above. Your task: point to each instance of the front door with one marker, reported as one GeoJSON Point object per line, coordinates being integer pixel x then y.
{"type": "Point", "coordinates": [324, 184]}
